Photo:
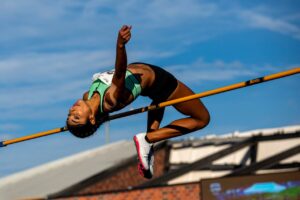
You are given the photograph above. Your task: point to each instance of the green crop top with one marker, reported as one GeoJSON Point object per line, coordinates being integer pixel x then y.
{"type": "Point", "coordinates": [102, 81]}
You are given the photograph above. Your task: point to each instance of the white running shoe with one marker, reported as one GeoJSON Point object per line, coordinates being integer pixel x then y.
{"type": "Point", "coordinates": [145, 153]}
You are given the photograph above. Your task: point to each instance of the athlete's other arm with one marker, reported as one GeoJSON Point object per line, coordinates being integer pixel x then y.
{"type": "Point", "coordinates": [118, 81]}
{"type": "Point", "coordinates": [154, 118]}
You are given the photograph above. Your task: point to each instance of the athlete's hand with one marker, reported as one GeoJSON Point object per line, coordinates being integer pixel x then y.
{"type": "Point", "coordinates": [124, 35]}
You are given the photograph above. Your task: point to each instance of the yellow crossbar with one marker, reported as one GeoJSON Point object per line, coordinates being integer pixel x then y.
{"type": "Point", "coordinates": [167, 103]}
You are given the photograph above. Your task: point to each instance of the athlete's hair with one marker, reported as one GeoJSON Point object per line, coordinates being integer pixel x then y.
{"type": "Point", "coordinates": [88, 129]}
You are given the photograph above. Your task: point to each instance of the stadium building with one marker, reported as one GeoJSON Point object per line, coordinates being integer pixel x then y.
{"type": "Point", "coordinates": [257, 164]}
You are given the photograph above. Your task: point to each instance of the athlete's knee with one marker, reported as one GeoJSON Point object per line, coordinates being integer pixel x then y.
{"type": "Point", "coordinates": [204, 120]}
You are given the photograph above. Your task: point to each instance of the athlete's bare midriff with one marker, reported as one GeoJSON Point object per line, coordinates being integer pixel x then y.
{"type": "Point", "coordinates": [143, 73]}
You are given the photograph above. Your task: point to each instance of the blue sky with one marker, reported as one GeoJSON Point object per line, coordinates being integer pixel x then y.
{"type": "Point", "coordinates": [50, 49]}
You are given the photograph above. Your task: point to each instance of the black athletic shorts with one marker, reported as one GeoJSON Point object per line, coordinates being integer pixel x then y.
{"type": "Point", "coordinates": [163, 85]}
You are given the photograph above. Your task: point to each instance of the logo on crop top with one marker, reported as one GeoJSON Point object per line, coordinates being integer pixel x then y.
{"type": "Point", "coordinates": [105, 77]}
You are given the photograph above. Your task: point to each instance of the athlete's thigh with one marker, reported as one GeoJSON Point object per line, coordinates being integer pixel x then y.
{"type": "Point", "coordinates": [194, 108]}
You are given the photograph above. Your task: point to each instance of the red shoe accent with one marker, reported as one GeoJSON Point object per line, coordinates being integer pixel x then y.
{"type": "Point", "coordinates": [141, 169]}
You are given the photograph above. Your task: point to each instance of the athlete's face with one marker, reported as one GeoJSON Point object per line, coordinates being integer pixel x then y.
{"type": "Point", "coordinates": [79, 113]}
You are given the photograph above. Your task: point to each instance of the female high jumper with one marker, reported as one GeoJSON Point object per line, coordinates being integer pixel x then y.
{"type": "Point", "coordinates": [113, 90]}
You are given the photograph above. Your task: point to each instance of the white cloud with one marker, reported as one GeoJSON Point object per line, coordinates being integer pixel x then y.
{"type": "Point", "coordinates": [66, 24]}
{"type": "Point", "coordinates": [39, 25]}
{"type": "Point", "coordinates": [218, 70]}
{"type": "Point", "coordinates": [45, 67]}
{"type": "Point", "coordinates": [42, 81]}
{"type": "Point", "coordinates": [6, 129]}
{"type": "Point", "coordinates": [33, 85]}
{"type": "Point", "coordinates": [36, 79]}
{"type": "Point", "coordinates": [279, 25]}
{"type": "Point", "coordinates": [13, 127]}
{"type": "Point", "coordinates": [4, 137]}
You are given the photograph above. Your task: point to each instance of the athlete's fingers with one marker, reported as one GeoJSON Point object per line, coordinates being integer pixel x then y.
{"type": "Point", "coordinates": [126, 31]}
{"type": "Point", "coordinates": [126, 35]}
{"type": "Point", "coordinates": [127, 38]}
{"type": "Point", "coordinates": [124, 27]}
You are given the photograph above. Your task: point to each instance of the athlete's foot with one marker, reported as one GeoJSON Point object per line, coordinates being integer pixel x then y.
{"type": "Point", "coordinates": [145, 155]}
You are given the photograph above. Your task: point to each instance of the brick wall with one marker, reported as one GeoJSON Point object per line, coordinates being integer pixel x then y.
{"type": "Point", "coordinates": [122, 177]}
{"type": "Point", "coordinates": [190, 191]}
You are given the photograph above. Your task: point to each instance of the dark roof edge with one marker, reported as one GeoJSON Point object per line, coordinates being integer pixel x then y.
{"type": "Point", "coordinates": [222, 141]}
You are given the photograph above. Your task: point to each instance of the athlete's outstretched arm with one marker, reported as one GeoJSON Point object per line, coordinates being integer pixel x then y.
{"type": "Point", "coordinates": [121, 60]}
